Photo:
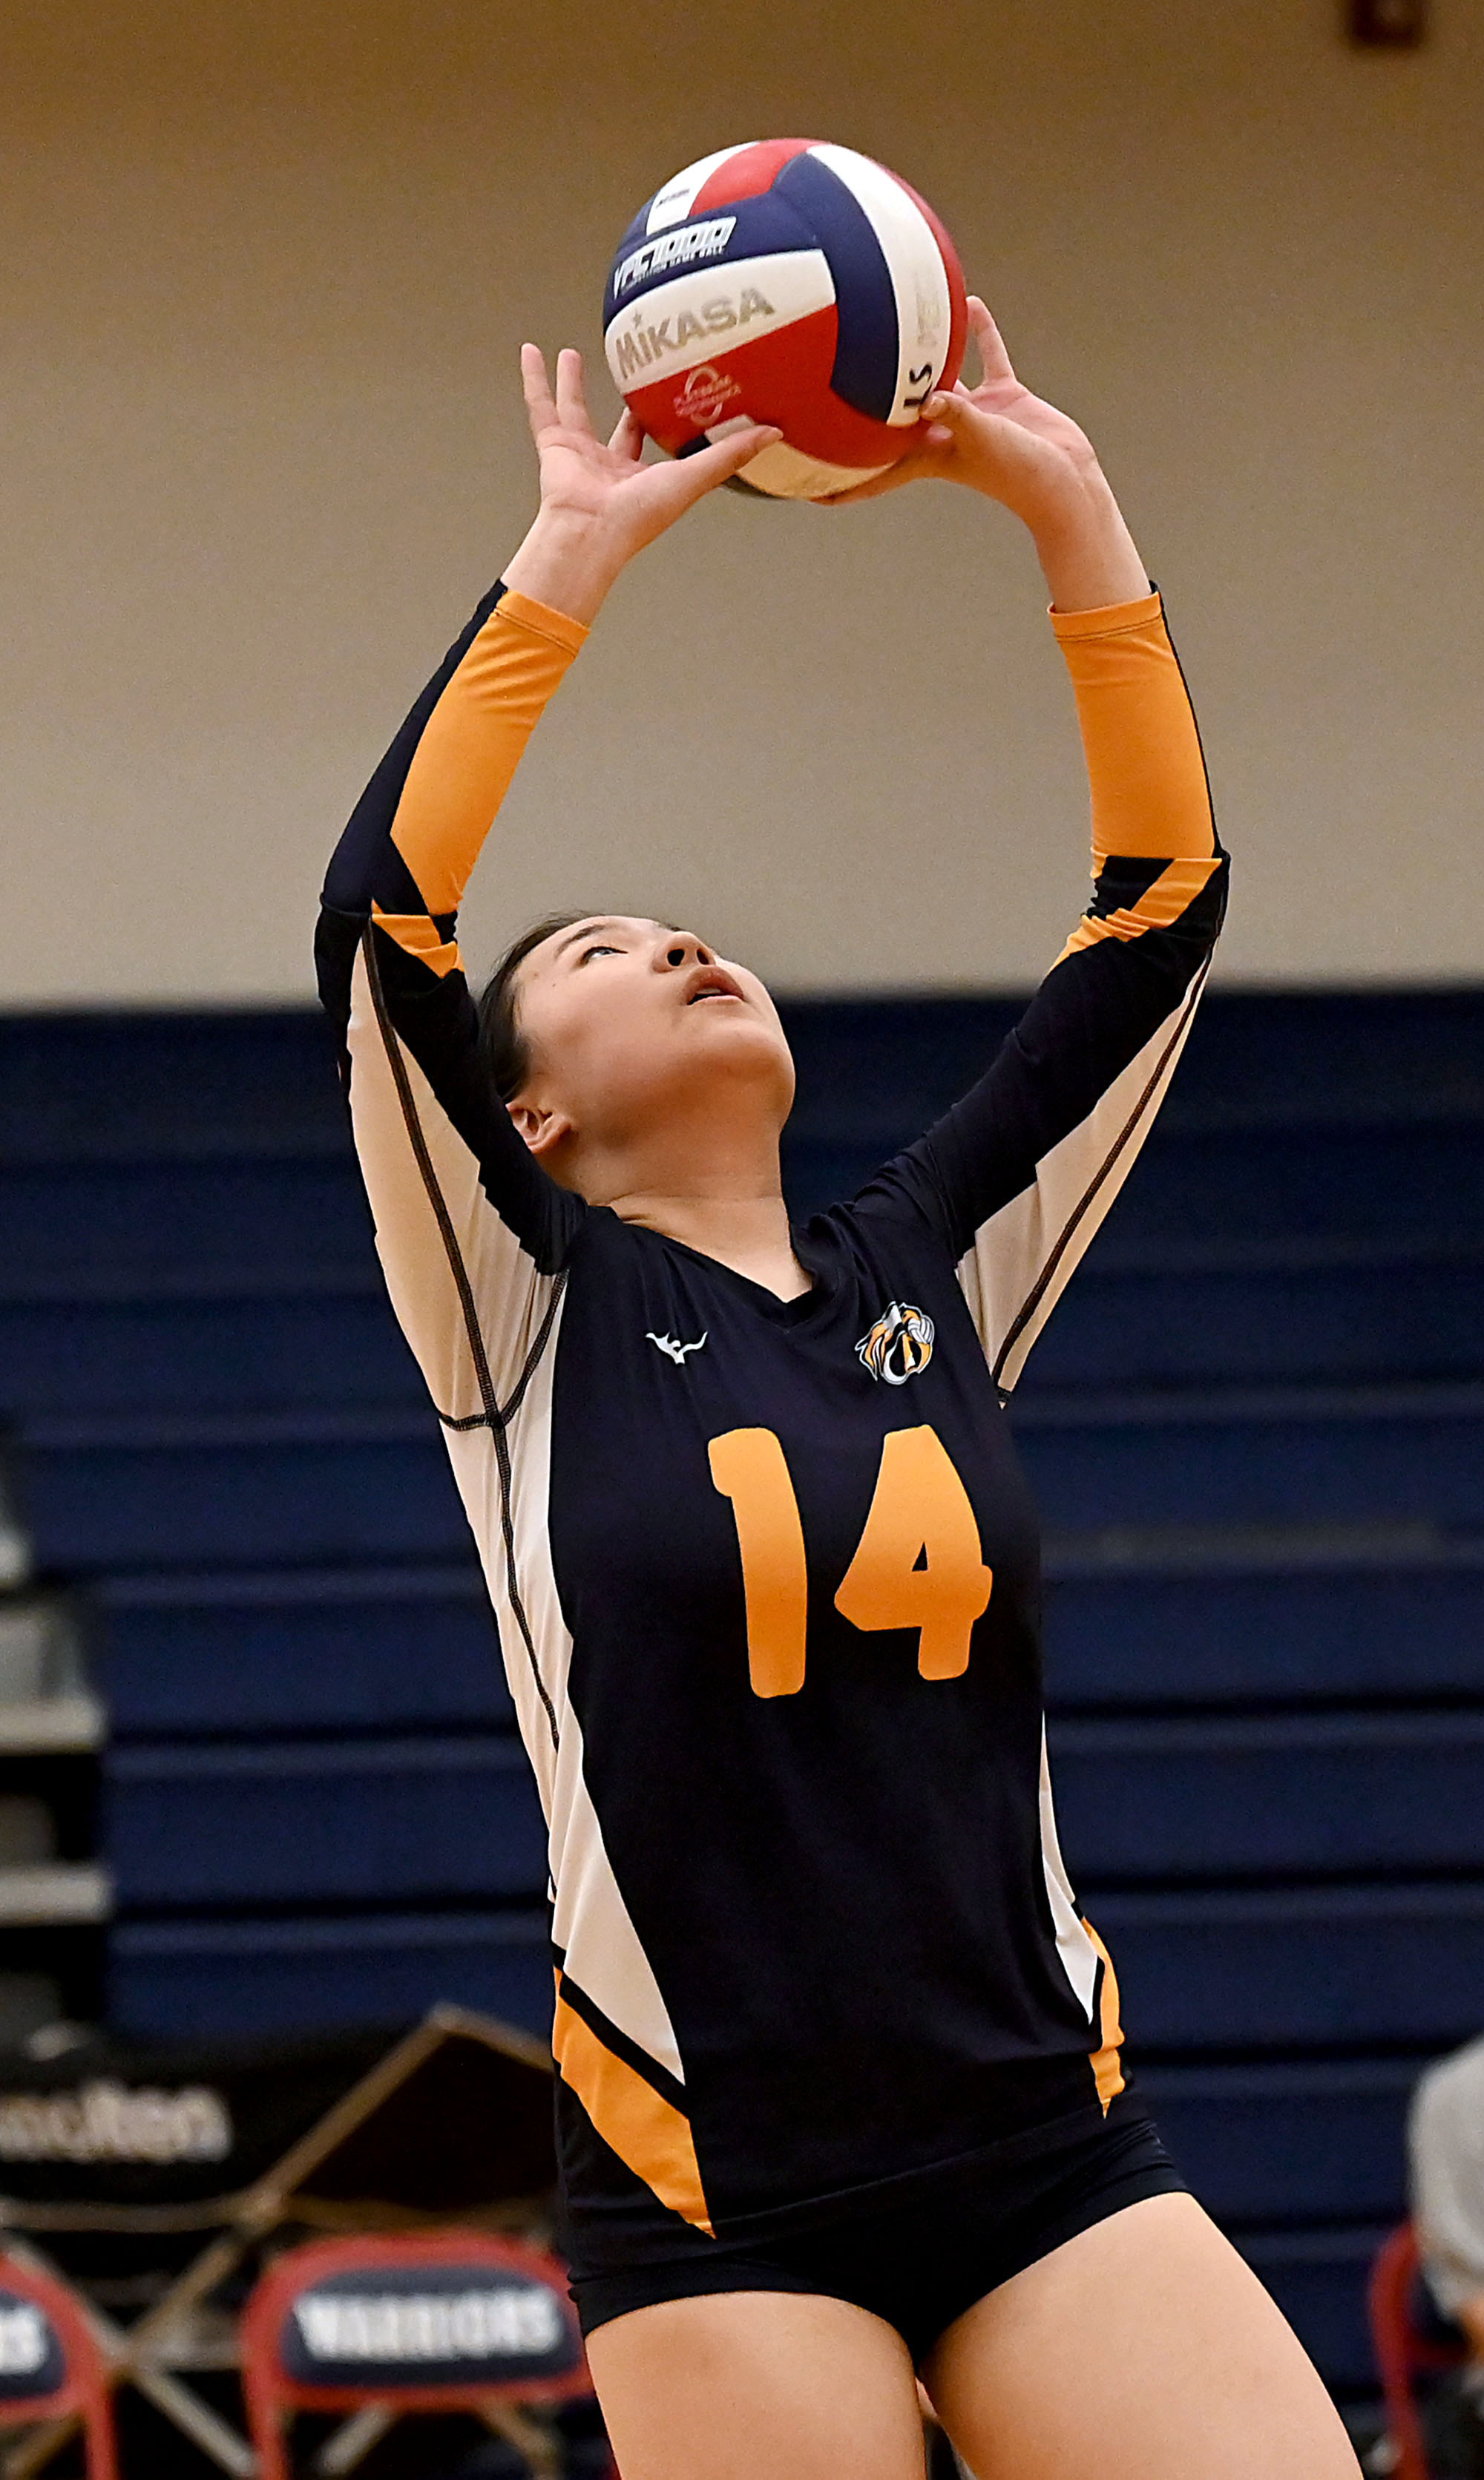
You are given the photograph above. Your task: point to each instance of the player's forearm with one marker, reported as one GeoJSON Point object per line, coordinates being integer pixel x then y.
{"type": "Point", "coordinates": [1087, 552]}
{"type": "Point", "coordinates": [1147, 777]}
{"type": "Point", "coordinates": [475, 739]}
{"type": "Point", "coordinates": [418, 826]}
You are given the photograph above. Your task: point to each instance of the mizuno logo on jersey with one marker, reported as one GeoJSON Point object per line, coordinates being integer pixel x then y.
{"type": "Point", "coordinates": [673, 1350]}
{"type": "Point", "coordinates": [899, 1344]}
{"type": "Point", "coordinates": [674, 249]}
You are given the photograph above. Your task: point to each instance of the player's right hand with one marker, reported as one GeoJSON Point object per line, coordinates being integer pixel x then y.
{"type": "Point", "coordinates": [609, 487]}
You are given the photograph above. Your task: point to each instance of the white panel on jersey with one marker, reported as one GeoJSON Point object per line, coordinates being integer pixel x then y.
{"type": "Point", "coordinates": [683, 324]}
{"type": "Point", "coordinates": [514, 1297]}
{"type": "Point", "coordinates": [672, 204]}
{"type": "Point", "coordinates": [1079, 1955]}
{"type": "Point", "coordinates": [785, 472]}
{"type": "Point", "coordinates": [1039, 1238]}
{"type": "Point", "coordinates": [511, 1298]}
{"type": "Point", "coordinates": [542, 1664]}
{"type": "Point", "coordinates": [914, 262]}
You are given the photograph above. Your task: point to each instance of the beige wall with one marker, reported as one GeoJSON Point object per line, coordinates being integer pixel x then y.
{"type": "Point", "coordinates": [263, 272]}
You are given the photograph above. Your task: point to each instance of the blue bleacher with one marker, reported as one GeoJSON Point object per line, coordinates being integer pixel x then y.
{"type": "Point", "coordinates": [380, 1966]}
{"type": "Point", "coordinates": [238, 1654]}
{"type": "Point", "coordinates": [1276, 1796]}
{"type": "Point", "coordinates": [109, 1491]}
{"type": "Point", "coordinates": [1256, 1425]}
{"type": "Point", "coordinates": [1317, 1614]}
{"type": "Point", "coordinates": [426, 1819]}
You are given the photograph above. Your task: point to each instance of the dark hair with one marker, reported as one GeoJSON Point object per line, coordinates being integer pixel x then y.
{"type": "Point", "coordinates": [503, 1048]}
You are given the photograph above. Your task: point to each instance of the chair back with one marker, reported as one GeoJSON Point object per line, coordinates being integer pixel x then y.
{"type": "Point", "coordinates": [51, 2366]}
{"type": "Point", "coordinates": [1403, 2350]}
{"type": "Point", "coordinates": [430, 2322]}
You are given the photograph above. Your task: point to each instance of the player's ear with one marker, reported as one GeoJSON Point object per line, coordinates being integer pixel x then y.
{"type": "Point", "coordinates": [542, 1129]}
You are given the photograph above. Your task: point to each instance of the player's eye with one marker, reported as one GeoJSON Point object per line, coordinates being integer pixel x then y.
{"type": "Point", "coordinates": [600, 949]}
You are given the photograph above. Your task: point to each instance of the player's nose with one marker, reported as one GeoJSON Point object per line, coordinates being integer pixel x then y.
{"type": "Point", "coordinates": [678, 950]}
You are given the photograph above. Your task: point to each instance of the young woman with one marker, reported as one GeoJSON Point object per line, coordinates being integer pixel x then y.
{"type": "Point", "coordinates": [839, 2094]}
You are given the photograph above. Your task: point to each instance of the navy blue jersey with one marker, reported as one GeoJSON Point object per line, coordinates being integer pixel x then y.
{"type": "Point", "coordinates": [767, 1571]}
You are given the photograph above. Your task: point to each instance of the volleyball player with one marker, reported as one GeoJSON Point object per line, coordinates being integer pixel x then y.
{"type": "Point", "coordinates": [839, 2092]}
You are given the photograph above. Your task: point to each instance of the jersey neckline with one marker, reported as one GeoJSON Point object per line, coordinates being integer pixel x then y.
{"type": "Point", "coordinates": [795, 1312]}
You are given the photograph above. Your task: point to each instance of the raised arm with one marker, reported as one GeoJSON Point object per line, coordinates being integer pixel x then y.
{"type": "Point", "coordinates": [1018, 1176]}
{"type": "Point", "coordinates": [407, 855]}
{"type": "Point", "coordinates": [471, 1231]}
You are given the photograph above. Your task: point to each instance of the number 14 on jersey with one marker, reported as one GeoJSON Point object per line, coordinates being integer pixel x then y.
{"type": "Point", "coordinates": [918, 1563]}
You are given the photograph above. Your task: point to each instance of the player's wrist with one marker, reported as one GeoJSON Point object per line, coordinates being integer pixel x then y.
{"type": "Point", "coordinates": [569, 560]}
{"type": "Point", "coordinates": [1087, 553]}
{"type": "Point", "coordinates": [1053, 496]}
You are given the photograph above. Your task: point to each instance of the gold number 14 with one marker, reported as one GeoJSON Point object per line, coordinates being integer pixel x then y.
{"type": "Point", "coordinates": [918, 1563]}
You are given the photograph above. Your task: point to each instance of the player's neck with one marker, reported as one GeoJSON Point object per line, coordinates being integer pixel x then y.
{"type": "Point", "coordinates": [707, 1177]}
{"type": "Point", "coordinates": [729, 1206]}
{"type": "Point", "coordinates": [749, 1234]}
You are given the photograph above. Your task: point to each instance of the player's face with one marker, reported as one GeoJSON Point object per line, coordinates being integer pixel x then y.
{"type": "Point", "coordinates": [626, 1019]}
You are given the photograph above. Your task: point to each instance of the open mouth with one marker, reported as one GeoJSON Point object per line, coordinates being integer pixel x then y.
{"type": "Point", "coordinates": [711, 983]}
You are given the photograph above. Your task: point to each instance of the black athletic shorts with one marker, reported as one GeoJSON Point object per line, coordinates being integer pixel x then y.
{"type": "Point", "coordinates": [916, 2250]}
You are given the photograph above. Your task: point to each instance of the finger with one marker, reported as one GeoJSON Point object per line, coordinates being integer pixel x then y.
{"type": "Point", "coordinates": [948, 412]}
{"type": "Point", "coordinates": [727, 456]}
{"type": "Point", "coordinates": [994, 361]}
{"type": "Point", "coordinates": [536, 388]}
{"type": "Point", "coordinates": [627, 439]}
{"type": "Point", "coordinates": [570, 401]}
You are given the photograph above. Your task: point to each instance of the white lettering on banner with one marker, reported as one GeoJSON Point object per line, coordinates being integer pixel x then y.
{"type": "Point", "coordinates": [419, 2326]}
{"type": "Point", "coordinates": [679, 249]}
{"type": "Point", "coordinates": [22, 2341]}
{"type": "Point", "coordinates": [109, 2122]}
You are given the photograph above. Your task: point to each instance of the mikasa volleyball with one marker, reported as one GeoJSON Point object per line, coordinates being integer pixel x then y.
{"type": "Point", "coordinates": [792, 283]}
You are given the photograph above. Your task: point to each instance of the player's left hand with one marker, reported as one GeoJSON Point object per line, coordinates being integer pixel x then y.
{"type": "Point", "coordinates": [996, 437]}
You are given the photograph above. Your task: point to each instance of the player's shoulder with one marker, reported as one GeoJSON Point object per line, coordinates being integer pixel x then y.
{"type": "Point", "coordinates": [884, 1240]}
{"type": "Point", "coordinates": [894, 1209]}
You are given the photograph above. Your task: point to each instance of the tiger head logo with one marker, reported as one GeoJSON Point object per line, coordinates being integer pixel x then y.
{"type": "Point", "coordinates": [899, 1344]}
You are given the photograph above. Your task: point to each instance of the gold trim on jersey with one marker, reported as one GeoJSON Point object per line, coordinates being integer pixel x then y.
{"type": "Point", "coordinates": [1106, 2061]}
{"type": "Point", "coordinates": [647, 2133]}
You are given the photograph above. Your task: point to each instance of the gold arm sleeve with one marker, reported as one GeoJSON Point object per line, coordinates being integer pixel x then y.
{"type": "Point", "coordinates": [1144, 763]}
{"type": "Point", "coordinates": [475, 739]}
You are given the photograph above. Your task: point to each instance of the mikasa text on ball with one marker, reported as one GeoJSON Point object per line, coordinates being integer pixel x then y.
{"type": "Point", "coordinates": [791, 283]}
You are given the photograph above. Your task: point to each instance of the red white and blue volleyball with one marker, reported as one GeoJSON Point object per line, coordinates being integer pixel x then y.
{"type": "Point", "coordinates": [787, 282]}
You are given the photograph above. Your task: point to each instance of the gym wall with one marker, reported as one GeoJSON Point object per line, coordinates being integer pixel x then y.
{"type": "Point", "coordinates": [264, 275]}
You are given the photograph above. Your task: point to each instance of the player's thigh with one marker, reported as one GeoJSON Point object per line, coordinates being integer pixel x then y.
{"type": "Point", "coordinates": [743, 2384]}
{"type": "Point", "coordinates": [1143, 2349]}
